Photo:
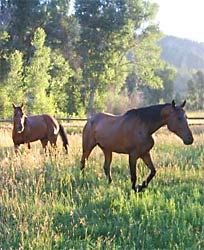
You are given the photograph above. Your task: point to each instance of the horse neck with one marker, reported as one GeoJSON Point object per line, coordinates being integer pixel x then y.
{"type": "Point", "coordinates": [160, 121]}
{"type": "Point", "coordinates": [154, 126]}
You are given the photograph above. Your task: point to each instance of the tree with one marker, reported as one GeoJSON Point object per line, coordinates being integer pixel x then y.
{"type": "Point", "coordinates": [26, 16]}
{"type": "Point", "coordinates": [37, 76]}
{"type": "Point", "coordinates": [61, 84]}
{"type": "Point", "coordinates": [109, 30]}
{"type": "Point", "coordinates": [195, 94]}
{"type": "Point", "coordinates": [71, 62]}
{"type": "Point", "coordinates": [11, 89]}
{"type": "Point", "coordinates": [99, 46]}
{"type": "Point", "coordinates": [164, 94]}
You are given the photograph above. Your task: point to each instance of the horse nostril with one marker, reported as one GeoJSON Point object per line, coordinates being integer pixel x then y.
{"type": "Point", "coordinates": [189, 140]}
{"type": "Point", "coordinates": [19, 129]}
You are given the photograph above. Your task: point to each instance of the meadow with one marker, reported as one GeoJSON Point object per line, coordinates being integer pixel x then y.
{"type": "Point", "coordinates": [47, 203]}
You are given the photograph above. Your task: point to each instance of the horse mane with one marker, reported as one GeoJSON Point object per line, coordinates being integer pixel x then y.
{"type": "Point", "coordinates": [147, 114]}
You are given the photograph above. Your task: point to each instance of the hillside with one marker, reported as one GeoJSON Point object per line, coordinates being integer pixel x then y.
{"type": "Point", "coordinates": [185, 55]}
{"type": "Point", "coordinates": [182, 53]}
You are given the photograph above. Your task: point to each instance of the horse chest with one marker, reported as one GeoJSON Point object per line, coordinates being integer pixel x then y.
{"type": "Point", "coordinates": [18, 138]}
{"type": "Point", "coordinates": [145, 143]}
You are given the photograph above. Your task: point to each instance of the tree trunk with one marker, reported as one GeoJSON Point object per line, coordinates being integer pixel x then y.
{"type": "Point", "coordinates": [90, 104]}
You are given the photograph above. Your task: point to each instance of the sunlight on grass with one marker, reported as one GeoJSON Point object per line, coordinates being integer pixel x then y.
{"type": "Point", "coordinates": [47, 203]}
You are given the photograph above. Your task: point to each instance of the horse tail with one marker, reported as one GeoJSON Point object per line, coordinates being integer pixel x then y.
{"type": "Point", "coordinates": [88, 138]}
{"type": "Point", "coordinates": [64, 137]}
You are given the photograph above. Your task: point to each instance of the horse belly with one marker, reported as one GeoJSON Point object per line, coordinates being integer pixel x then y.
{"type": "Point", "coordinates": [38, 134]}
{"type": "Point", "coordinates": [113, 142]}
{"type": "Point", "coordinates": [124, 142]}
{"type": "Point", "coordinates": [36, 130]}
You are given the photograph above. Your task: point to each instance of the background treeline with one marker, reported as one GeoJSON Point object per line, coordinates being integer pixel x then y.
{"type": "Point", "coordinates": [104, 55]}
{"type": "Point", "coordinates": [188, 58]}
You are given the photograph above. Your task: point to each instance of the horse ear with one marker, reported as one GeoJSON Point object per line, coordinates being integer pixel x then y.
{"type": "Point", "coordinates": [14, 106]}
{"type": "Point", "coordinates": [173, 104]}
{"type": "Point", "coordinates": [183, 104]}
{"type": "Point", "coordinates": [22, 105]}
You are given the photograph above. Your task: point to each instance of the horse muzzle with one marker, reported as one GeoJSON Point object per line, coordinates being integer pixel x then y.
{"type": "Point", "coordinates": [19, 130]}
{"type": "Point", "coordinates": [189, 140]}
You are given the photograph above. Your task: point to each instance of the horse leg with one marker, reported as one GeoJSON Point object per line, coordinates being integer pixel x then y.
{"type": "Point", "coordinates": [53, 142]}
{"type": "Point", "coordinates": [132, 165]}
{"type": "Point", "coordinates": [148, 161]}
{"type": "Point", "coordinates": [16, 148]}
{"type": "Point", "coordinates": [85, 155]}
{"type": "Point", "coordinates": [106, 166]}
{"type": "Point", "coordinates": [87, 148]}
{"type": "Point", "coordinates": [29, 147]}
{"type": "Point", "coordinates": [88, 143]}
{"type": "Point", "coordinates": [44, 143]}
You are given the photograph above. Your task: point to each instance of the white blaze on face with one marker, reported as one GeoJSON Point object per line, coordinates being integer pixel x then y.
{"type": "Point", "coordinates": [20, 122]}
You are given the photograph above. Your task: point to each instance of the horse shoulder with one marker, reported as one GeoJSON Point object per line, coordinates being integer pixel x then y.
{"type": "Point", "coordinates": [136, 132]}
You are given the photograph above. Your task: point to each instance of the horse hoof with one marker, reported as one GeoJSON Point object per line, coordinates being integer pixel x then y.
{"type": "Point", "coordinates": [139, 188]}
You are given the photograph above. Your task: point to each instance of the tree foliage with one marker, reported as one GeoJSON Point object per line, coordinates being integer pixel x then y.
{"type": "Point", "coordinates": [196, 91]}
{"type": "Point", "coordinates": [109, 31]}
{"type": "Point", "coordinates": [37, 76]}
{"type": "Point", "coordinates": [11, 88]}
{"type": "Point", "coordinates": [68, 63]}
{"type": "Point", "coordinates": [165, 94]}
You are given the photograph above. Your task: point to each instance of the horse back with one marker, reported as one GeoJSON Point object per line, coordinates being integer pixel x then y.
{"type": "Point", "coordinates": [52, 123]}
{"type": "Point", "coordinates": [105, 123]}
{"type": "Point", "coordinates": [101, 125]}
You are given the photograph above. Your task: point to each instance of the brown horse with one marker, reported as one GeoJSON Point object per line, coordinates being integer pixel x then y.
{"type": "Point", "coordinates": [27, 129]}
{"type": "Point", "coordinates": [131, 134]}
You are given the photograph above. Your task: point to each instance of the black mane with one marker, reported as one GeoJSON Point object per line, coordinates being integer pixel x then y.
{"type": "Point", "coordinates": [146, 114]}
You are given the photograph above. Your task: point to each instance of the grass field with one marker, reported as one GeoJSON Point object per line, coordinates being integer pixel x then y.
{"type": "Point", "coordinates": [46, 203]}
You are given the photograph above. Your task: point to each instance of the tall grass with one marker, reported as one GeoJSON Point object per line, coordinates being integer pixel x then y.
{"type": "Point", "coordinates": [47, 203]}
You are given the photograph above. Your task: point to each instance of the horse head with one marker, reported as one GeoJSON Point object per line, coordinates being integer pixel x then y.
{"type": "Point", "coordinates": [19, 118]}
{"type": "Point", "coordinates": [177, 122]}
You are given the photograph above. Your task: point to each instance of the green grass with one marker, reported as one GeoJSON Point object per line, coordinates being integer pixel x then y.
{"type": "Point", "coordinates": [47, 203]}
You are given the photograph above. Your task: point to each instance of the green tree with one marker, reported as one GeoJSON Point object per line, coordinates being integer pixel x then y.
{"type": "Point", "coordinates": [164, 94]}
{"type": "Point", "coordinates": [195, 94]}
{"type": "Point", "coordinates": [26, 16]}
{"type": "Point", "coordinates": [4, 65]}
{"type": "Point", "coordinates": [110, 31]}
{"type": "Point", "coordinates": [61, 84]}
{"type": "Point", "coordinates": [68, 73]}
{"type": "Point", "coordinates": [37, 76]}
{"type": "Point", "coordinates": [11, 89]}
{"type": "Point", "coordinates": [101, 30]}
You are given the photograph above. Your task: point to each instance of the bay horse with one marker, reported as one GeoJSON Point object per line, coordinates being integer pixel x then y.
{"type": "Point", "coordinates": [131, 133]}
{"type": "Point", "coordinates": [27, 129]}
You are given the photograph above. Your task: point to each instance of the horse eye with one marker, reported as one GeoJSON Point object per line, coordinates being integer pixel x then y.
{"type": "Point", "coordinates": [180, 118]}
